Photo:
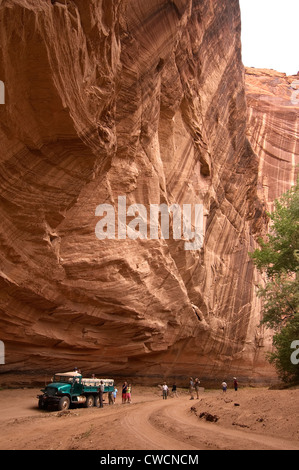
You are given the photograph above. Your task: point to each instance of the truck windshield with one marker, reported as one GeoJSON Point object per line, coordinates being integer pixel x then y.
{"type": "Point", "coordinates": [63, 378]}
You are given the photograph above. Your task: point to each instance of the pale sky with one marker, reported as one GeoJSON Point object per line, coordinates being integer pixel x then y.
{"type": "Point", "coordinates": [270, 34]}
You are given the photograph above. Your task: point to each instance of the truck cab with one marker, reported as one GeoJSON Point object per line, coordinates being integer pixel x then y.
{"type": "Point", "coordinates": [71, 388]}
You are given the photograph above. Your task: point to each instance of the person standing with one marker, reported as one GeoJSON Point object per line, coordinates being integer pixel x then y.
{"type": "Point", "coordinates": [129, 393]}
{"type": "Point", "coordinates": [197, 386]}
{"type": "Point", "coordinates": [165, 391]}
{"type": "Point", "coordinates": [191, 388]}
{"type": "Point", "coordinates": [174, 391]}
{"type": "Point", "coordinates": [110, 398]}
{"type": "Point", "coordinates": [224, 387]}
{"type": "Point", "coordinates": [114, 394]}
{"type": "Point", "coordinates": [124, 392]}
{"type": "Point", "coordinates": [235, 384]}
{"type": "Point", "coordinates": [101, 393]}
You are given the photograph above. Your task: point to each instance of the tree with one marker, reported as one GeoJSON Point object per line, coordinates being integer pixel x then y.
{"type": "Point", "coordinates": [278, 259]}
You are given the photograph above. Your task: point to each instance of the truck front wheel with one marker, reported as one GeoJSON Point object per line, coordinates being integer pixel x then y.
{"type": "Point", "coordinates": [41, 404]}
{"type": "Point", "coordinates": [64, 404]}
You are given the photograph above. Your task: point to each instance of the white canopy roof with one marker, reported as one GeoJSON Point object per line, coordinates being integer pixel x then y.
{"type": "Point", "coordinates": [69, 374]}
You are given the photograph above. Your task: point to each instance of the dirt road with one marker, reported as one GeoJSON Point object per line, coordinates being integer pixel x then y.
{"type": "Point", "coordinates": [261, 419]}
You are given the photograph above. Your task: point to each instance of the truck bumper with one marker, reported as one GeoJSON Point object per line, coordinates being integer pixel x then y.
{"type": "Point", "coordinates": [45, 400]}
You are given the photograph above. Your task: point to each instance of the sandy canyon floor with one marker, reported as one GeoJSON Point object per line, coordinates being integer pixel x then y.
{"type": "Point", "coordinates": [253, 419]}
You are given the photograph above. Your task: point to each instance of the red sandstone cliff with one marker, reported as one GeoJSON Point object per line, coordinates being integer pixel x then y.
{"type": "Point", "coordinates": [273, 129]}
{"type": "Point", "coordinates": [142, 98]}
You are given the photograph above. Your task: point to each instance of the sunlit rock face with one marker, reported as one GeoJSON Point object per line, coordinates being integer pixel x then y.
{"type": "Point", "coordinates": [273, 130]}
{"type": "Point", "coordinates": [143, 99]}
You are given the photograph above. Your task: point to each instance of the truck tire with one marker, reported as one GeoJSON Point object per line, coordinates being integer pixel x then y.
{"type": "Point", "coordinates": [64, 404]}
{"type": "Point", "coordinates": [89, 401]}
{"type": "Point", "coordinates": [41, 404]}
{"type": "Point", "coordinates": [97, 401]}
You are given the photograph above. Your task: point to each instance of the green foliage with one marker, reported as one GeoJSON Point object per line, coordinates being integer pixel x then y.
{"type": "Point", "coordinates": [281, 358]}
{"type": "Point", "coordinates": [281, 300]}
{"type": "Point", "coordinates": [278, 258]}
{"type": "Point", "coordinates": [280, 253]}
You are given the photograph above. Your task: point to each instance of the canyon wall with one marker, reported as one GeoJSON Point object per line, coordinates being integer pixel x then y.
{"type": "Point", "coordinates": [143, 99]}
{"type": "Point", "coordinates": [273, 130]}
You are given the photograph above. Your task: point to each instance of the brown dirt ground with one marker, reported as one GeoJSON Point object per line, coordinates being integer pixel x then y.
{"type": "Point", "coordinates": [265, 419]}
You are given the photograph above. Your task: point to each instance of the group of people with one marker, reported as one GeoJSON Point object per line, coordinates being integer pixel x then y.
{"type": "Point", "coordinates": [165, 391]}
{"type": "Point", "coordinates": [194, 388]}
{"type": "Point", "coordinates": [194, 385]}
{"type": "Point", "coordinates": [224, 385]}
{"type": "Point", "coordinates": [126, 393]}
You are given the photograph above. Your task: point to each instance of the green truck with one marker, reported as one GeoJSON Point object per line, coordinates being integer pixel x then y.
{"type": "Point", "coordinates": [71, 388]}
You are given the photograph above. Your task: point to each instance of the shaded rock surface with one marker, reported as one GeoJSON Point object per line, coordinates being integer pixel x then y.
{"type": "Point", "coordinates": [143, 99]}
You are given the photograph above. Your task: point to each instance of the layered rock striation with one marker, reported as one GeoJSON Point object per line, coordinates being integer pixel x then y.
{"type": "Point", "coordinates": [273, 130]}
{"type": "Point", "coordinates": [143, 99]}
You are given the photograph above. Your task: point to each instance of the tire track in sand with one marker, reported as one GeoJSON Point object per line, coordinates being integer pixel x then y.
{"type": "Point", "coordinates": [151, 437]}
{"type": "Point", "coordinates": [170, 425]}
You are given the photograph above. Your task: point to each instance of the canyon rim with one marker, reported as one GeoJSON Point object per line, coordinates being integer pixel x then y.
{"type": "Point", "coordinates": [146, 99]}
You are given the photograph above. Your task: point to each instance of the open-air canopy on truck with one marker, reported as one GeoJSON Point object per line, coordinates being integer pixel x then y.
{"type": "Point", "coordinates": [71, 388]}
{"type": "Point", "coordinates": [66, 377]}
